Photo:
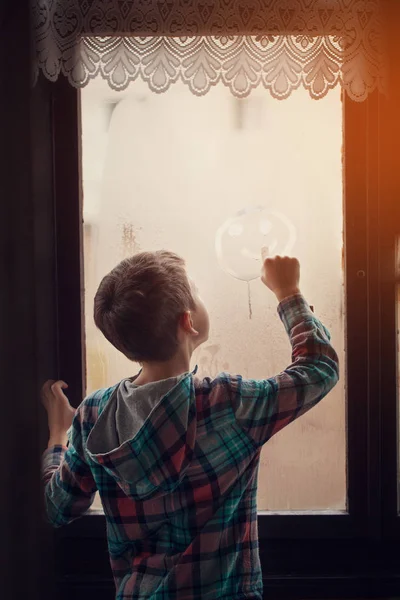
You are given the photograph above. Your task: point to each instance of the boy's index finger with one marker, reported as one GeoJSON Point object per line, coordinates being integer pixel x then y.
{"type": "Point", "coordinates": [46, 387]}
{"type": "Point", "coordinates": [58, 387]}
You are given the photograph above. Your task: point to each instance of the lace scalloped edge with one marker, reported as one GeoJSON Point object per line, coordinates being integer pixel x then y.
{"type": "Point", "coordinates": [352, 57]}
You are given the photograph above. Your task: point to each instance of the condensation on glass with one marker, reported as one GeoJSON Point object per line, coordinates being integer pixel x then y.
{"type": "Point", "coordinates": [167, 171]}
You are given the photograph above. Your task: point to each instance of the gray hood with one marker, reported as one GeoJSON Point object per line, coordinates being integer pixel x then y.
{"type": "Point", "coordinates": [144, 437]}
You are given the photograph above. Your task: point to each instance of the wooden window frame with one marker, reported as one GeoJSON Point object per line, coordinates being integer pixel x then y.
{"type": "Point", "coordinates": [302, 554]}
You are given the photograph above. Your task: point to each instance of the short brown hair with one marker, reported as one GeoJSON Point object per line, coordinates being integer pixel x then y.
{"type": "Point", "coordinates": [138, 305]}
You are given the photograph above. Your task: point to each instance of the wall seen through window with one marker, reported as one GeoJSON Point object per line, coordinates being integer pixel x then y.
{"type": "Point", "coordinates": [167, 171]}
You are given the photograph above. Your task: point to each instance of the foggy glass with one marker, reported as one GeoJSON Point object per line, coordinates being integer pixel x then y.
{"type": "Point", "coordinates": [167, 171]}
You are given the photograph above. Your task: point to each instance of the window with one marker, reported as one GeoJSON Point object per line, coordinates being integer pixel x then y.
{"type": "Point", "coordinates": [304, 553]}
{"type": "Point", "coordinates": [167, 171]}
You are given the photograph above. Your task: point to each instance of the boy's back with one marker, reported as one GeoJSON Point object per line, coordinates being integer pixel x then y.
{"type": "Point", "coordinates": [176, 463]}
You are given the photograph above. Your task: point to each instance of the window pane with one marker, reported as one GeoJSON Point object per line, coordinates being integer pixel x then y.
{"type": "Point", "coordinates": [167, 171]}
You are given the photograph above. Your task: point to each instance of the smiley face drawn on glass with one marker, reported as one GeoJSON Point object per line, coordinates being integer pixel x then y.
{"type": "Point", "coordinates": [239, 240]}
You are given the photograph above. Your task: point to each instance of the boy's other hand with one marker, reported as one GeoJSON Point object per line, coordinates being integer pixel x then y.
{"type": "Point", "coordinates": [59, 411]}
{"type": "Point", "coordinates": [281, 274]}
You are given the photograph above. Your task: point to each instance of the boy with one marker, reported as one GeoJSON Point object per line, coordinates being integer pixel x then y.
{"type": "Point", "coordinates": [175, 458]}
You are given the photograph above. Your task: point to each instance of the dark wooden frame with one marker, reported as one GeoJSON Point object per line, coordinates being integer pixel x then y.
{"type": "Point", "coordinates": [27, 308]}
{"type": "Point", "coordinates": [389, 280]}
{"type": "Point", "coordinates": [320, 555]}
{"type": "Point", "coordinates": [301, 553]}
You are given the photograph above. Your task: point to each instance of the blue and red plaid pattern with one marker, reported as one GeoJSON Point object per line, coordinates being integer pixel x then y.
{"type": "Point", "coordinates": [183, 524]}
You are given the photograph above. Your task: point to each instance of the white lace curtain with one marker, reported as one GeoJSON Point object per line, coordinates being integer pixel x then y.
{"type": "Point", "coordinates": [280, 44]}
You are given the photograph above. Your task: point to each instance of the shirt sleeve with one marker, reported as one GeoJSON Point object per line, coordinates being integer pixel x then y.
{"type": "Point", "coordinates": [264, 407]}
{"type": "Point", "coordinates": [69, 485]}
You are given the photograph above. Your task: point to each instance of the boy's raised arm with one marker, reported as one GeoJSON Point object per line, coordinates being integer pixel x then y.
{"type": "Point", "coordinates": [264, 407]}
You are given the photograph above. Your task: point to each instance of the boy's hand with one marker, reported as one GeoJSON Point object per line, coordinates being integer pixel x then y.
{"type": "Point", "coordinates": [281, 275]}
{"type": "Point", "coordinates": [59, 411]}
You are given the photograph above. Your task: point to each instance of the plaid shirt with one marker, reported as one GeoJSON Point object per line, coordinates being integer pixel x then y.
{"type": "Point", "coordinates": [184, 525]}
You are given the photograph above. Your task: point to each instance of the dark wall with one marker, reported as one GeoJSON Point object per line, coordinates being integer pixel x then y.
{"type": "Point", "coordinates": [27, 308]}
